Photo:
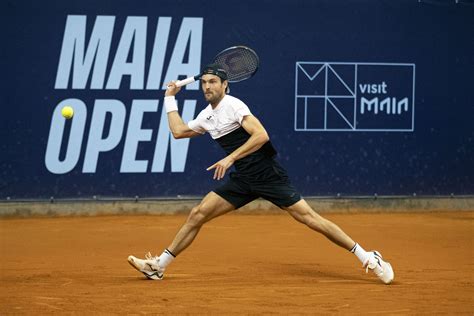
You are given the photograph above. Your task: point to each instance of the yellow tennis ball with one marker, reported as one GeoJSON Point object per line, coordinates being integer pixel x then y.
{"type": "Point", "coordinates": [67, 112]}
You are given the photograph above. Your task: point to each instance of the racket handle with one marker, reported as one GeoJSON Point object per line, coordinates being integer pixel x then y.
{"type": "Point", "coordinates": [186, 81]}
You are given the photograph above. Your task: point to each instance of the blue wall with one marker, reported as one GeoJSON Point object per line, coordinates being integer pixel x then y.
{"type": "Point", "coordinates": [419, 56]}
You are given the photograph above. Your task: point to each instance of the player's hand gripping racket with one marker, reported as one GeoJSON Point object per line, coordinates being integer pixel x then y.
{"type": "Point", "coordinates": [240, 63]}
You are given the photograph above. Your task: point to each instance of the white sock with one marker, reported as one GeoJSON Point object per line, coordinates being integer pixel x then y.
{"type": "Point", "coordinates": [166, 258]}
{"type": "Point", "coordinates": [360, 253]}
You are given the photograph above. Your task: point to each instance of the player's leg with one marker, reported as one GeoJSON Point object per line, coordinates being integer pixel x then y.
{"type": "Point", "coordinates": [303, 213]}
{"type": "Point", "coordinates": [210, 207]}
{"type": "Point", "coordinates": [225, 198]}
{"type": "Point", "coordinates": [279, 190]}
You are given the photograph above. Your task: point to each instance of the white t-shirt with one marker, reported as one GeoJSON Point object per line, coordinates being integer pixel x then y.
{"type": "Point", "coordinates": [225, 118]}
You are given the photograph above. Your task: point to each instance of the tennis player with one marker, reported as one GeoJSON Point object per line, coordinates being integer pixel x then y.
{"type": "Point", "coordinates": [257, 174]}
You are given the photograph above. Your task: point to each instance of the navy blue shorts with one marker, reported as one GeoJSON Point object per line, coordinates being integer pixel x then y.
{"type": "Point", "coordinates": [271, 183]}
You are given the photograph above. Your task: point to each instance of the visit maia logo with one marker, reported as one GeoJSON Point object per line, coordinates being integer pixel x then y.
{"type": "Point", "coordinates": [342, 96]}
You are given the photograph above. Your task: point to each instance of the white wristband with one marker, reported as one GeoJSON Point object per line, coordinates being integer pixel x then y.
{"type": "Point", "coordinates": [171, 104]}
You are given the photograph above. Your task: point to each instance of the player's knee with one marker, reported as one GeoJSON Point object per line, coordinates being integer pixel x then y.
{"type": "Point", "coordinates": [198, 216]}
{"type": "Point", "coordinates": [315, 222]}
{"type": "Point", "coordinates": [195, 217]}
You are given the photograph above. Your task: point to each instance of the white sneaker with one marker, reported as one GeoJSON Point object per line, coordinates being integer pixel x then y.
{"type": "Point", "coordinates": [148, 266]}
{"type": "Point", "coordinates": [383, 270]}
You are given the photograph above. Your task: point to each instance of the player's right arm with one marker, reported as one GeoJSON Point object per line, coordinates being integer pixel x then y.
{"type": "Point", "coordinates": [177, 127]}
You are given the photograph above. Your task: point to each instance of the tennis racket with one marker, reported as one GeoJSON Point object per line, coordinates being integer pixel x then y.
{"type": "Point", "coordinates": [240, 63]}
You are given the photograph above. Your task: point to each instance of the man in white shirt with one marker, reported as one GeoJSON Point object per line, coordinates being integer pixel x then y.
{"type": "Point", "coordinates": [257, 174]}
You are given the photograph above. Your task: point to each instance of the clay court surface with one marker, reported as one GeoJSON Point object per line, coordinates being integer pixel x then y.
{"type": "Point", "coordinates": [239, 264]}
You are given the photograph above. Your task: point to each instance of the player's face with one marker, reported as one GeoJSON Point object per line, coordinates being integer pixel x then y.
{"type": "Point", "coordinates": [213, 88]}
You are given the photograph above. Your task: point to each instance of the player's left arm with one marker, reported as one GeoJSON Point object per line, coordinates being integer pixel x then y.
{"type": "Point", "coordinates": [258, 137]}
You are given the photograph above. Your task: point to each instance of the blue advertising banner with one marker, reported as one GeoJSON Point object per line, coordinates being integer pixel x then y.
{"type": "Point", "coordinates": [358, 97]}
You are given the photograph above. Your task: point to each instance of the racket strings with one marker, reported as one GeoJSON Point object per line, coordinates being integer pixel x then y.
{"type": "Point", "coordinates": [240, 63]}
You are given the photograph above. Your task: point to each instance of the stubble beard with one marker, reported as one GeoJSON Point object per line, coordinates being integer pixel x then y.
{"type": "Point", "coordinates": [213, 98]}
